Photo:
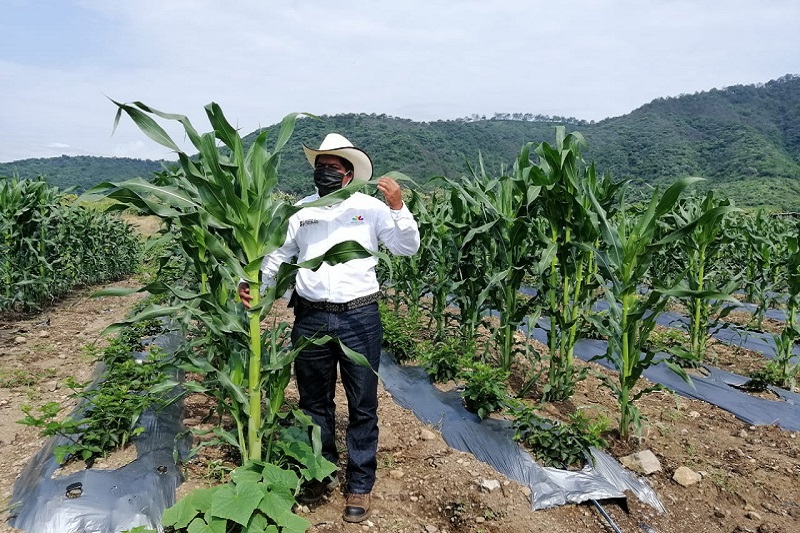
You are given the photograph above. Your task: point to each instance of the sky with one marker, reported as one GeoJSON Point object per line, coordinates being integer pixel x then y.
{"type": "Point", "coordinates": [63, 62]}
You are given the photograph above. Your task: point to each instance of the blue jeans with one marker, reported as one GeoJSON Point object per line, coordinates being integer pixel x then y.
{"type": "Point", "coordinates": [315, 370]}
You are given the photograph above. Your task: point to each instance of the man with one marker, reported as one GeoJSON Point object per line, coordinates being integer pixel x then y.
{"type": "Point", "coordinates": [341, 301]}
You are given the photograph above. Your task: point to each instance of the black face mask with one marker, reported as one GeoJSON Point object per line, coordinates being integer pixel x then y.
{"type": "Point", "coordinates": [327, 180]}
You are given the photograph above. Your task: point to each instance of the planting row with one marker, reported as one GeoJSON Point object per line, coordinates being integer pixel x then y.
{"type": "Point", "coordinates": [49, 245]}
{"type": "Point", "coordinates": [553, 223]}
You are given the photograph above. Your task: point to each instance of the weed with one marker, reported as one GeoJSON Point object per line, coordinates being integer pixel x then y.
{"type": "Point", "coordinates": [216, 470]}
{"type": "Point", "coordinates": [665, 339]}
{"type": "Point", "coordinates": [42, 348]}
{"type": "Point", "coordinates": [443, 360]}
{"type": "Point", "coordinates": [16, 378]}
{"type": "Point", "coordinates": [91, 351]}
{"type": "Point", "coordinates": [386, 461]}
{"type": "Point", "coordinates": [399, 334]}
{"type": "Point", "coordinates": [773, 373]}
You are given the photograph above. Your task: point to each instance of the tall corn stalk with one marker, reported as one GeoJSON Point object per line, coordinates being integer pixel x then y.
{"type": "Point", "coordinates": [226, 218]}
{"type": "Point", "coordinates": [568, 189]}
{"type": "Point", "coordinates": [508, 236]}
{"type": "Point", "coordinates": [470, 263]}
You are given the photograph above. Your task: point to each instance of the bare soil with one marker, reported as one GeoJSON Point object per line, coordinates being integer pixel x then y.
{"type": "Point", "coordinates": [751, 475]}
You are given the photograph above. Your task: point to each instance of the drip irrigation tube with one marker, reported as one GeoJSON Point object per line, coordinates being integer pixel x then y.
{"type": "Point", "coordinates": [606, 516]}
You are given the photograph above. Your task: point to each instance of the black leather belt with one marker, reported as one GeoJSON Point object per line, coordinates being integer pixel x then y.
{"type": "Point", "coordinates": [331, 307]}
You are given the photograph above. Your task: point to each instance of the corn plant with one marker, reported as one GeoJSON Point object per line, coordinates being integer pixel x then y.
{"type": "Point", "coordinates": [704, 287]}
{"type": "Point", "coordinates": [571, 233]}
{"type": "Point", "coordinates": [222, 210]}
{"type": "Point", "coordinates": [760, 247]}
{"type": "Point", "coordinates": [439, 255]}
{"type": "Point", "coordinates": [469, 263]}
{"type": "Point", "coordinates": [498, 238]}
{"type": "Point", "coordinates": [49, 245]}
{"type": "Point", "coordinates": [407, 285]}
{"type": "Point", "coordinates": [627, 249]}
{"type": "Point", "coordinates": [786, 362]}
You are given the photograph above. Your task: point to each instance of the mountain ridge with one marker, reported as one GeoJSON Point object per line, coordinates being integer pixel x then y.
{"type": "Point", "coordinates": [744, 139]}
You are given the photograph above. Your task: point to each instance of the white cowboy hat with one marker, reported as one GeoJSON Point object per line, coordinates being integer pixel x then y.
{"type": "Point", "coordinates": [335, 144]}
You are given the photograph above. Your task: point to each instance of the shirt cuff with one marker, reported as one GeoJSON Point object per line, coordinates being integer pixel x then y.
{"type": "Point", "coordinates": [397, 212]}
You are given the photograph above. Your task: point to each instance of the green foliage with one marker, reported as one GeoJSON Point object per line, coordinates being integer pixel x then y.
{"type": "Point", "coordinates": [17, 377]}
{"type": "Point", "coordinates": [666, 340]}
{"type": "Point", "coordinates": [571, 193]}
{"type": "Point", "coordinates": [705, 287]}
{"type": "Point", "coordinates": [259, 497]}
{"type": "Point", "coordinates": [400, 334]}
{"type": "Point", "coordinates": [490, 220]}
{"type": "Point", "coordinates": [786, 361]}
{"type": "Point", "coordinates": [743, 139]}
{"type": "Point", "coordinates": [484, 388]}
{"type": "Point", "coordinates": [774, 373]}
{"type": "Point", "coordinates": [223, 212]}
{"type": "Point", "coordinates": [225, 217]}
{"type": "Point", "coordinates": [109, 411]}
{"type": "Point", "coordinates": [555, 443]}
{"type": "Point", "coordinates": [760, 243]}
{"type": "Point", "coordinates": [628, 246]}
{"type": "Point", "coordinates": [49, 246]}
{"type": "Point", "coordinates": [443, 360]}
{"type": "Point", "coordinates": [80, 171]}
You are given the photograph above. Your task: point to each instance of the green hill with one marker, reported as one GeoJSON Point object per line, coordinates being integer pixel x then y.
{"type": "Point", "coordinates": [744, 139]}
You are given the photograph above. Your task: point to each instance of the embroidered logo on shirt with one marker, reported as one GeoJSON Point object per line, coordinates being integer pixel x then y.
{"type": "Point", "coordinates": [358, 218]}
{"type": "Point", "coordinates": [308, 222]}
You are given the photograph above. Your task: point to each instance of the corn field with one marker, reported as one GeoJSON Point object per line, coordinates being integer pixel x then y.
{"type": "Point", "coordinates": [592, 265]}
{"type": "Point", "coordinates": [49, 246]}
{"type": "Point", "coordinates": [548, 242]}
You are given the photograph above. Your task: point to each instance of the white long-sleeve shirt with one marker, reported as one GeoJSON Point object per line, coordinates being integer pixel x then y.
{"type": "Point", "coordinates": [313, 230]}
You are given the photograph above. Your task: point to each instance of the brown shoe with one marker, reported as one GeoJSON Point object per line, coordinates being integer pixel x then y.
{"type": "Point", "coordinates": [356, 508]}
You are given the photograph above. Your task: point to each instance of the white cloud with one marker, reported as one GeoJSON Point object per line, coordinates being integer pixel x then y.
{"type": "Point", "coordinates": [418, 59]}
